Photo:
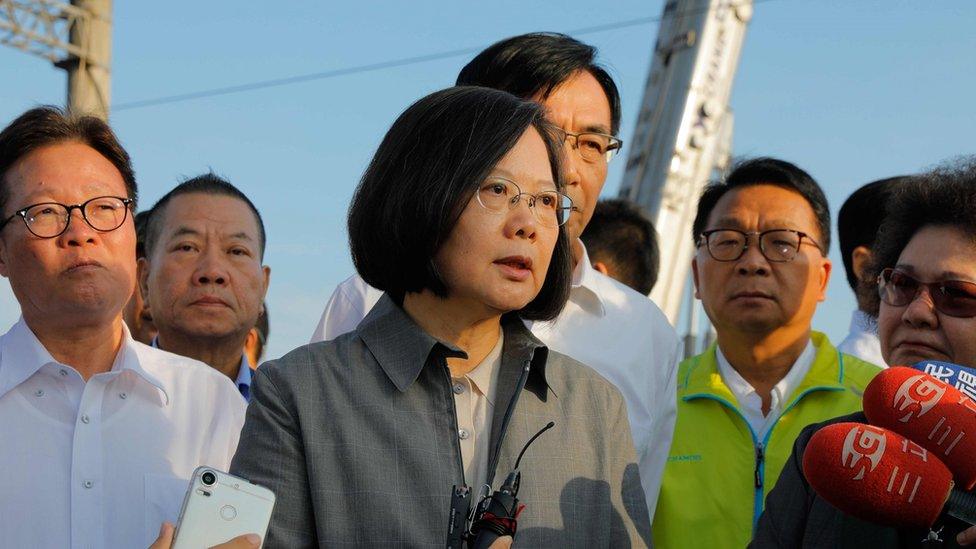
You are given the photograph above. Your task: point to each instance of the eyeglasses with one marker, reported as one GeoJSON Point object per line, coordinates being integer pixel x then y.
{"type": "Point", "coordinates": [951, 297]}
{"type": "Point", "coordinates": [592, 146]}
{"type": "Point", "coordinates": [777, 245]}
{"type": "Point", "coordinates": [499, 195]}
{"type": "Point", "coordinates": [51, 219]}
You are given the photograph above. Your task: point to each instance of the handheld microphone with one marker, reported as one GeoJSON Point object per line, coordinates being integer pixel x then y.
{"type": "Point", "coordinates": [960, 377]}
{"type": "Point", "coordinates": [931, 413]}
{"type": "Point", "coordinates": [882, 477]}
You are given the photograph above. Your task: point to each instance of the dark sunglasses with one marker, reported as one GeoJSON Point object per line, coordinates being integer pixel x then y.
{"type": "Point", "coordinates": [950, 297]}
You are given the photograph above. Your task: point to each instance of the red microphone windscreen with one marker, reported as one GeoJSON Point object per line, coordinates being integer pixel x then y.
{"type": "Point", "coordinates": [930, 412]}
{"type": "Point", "coordinates": [876, 475]}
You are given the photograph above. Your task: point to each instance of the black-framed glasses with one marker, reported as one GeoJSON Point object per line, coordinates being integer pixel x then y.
{"type": "Point", "coordinates": [776, 245]}
{"type": "Point", "coordinates": [951, 297]}
{"type": "Point", "coordinates": [499, 195]}
{"type": "Point", "coordinates": [592, 146]}
{"type": "Point", "coordinates": [51, 219]}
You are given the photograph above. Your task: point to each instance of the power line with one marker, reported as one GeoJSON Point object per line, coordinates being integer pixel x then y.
{"type": "Point", "coordinates": [358, 69]}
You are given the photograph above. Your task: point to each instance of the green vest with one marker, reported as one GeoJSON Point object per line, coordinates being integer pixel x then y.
{"type": "Point", "coordinates": [719, 472]}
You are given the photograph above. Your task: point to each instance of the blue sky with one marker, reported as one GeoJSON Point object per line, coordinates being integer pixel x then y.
{"type": "Point", "coordinates": [850, 91]}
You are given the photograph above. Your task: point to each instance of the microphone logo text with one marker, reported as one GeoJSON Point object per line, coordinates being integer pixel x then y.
{"type": "Point", "coordinates": [917, 395]}
{"type": "Point", "coordinates": [863, 442]}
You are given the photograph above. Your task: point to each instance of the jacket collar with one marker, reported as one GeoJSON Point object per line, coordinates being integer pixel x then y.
{"type": "Point", "coordinates": [703, 377]}
{"type": "Point", "coordinates": [402, 348]}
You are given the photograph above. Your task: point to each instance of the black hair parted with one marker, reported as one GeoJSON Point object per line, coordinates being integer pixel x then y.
{"type": "Point", "coordinates": [534, 64]}
{"type": "Point", "coordinates": [860, 217]}
{"type": "Point", "coordinates": [944, 196]}
{"type": "Point", "coordinates": [425, 171]}
{"type": "Point", "coordinates": [767, 171]}
{"type": "Point", "coordinates": [622, 235]}
{"type": "Point", "coordinates": [43, 126]}
{"type": "Point", "coordinates": [208, 183]}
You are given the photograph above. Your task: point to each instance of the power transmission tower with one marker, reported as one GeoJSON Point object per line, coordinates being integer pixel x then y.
{"type": "Point", "coordinates": [684, 128]}
{"type": "Point", "coordinates": [75, 36]}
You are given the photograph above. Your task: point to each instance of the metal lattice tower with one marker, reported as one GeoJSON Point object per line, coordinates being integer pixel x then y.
{"type": "Point", "coordinates": [684, 128]}
{"type": "Point", "coordinates": [75, 36]}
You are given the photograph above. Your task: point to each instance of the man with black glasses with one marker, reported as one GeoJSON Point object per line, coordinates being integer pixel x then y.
{"type": "Point", "coordinates": [760, 270]}
{"type": "Point", "coordinates": [100, 432]}
{"type": "Point", "coordinates": [605, 325]}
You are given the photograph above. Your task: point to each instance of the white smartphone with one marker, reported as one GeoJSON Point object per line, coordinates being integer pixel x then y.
{"type": "Point", "coordinates": [219, 507]}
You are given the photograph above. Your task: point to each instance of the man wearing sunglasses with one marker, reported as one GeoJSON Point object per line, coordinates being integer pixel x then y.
{"type": "Point", "coordinates": [100, 433]}
{"type": "Point", "coordinates": [605, 325]}
{"type": "Point", "coordinates": [760, 270]}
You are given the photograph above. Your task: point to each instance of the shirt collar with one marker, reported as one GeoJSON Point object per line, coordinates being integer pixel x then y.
{"type": "Point", "coordinates": [244, 373]}
{"type": "Point", "coordinates": [22, 355]}
{"type": "Point", "coordinates": [587, 283]}
{"type": "Point", "coordinates": [482, 377]}
{"type": "Point", "coordinates": [783, 389]}
{"type": "Point", "coordinates": [402, 348]}
{"type": "Point", "coordinates": [243, 380]}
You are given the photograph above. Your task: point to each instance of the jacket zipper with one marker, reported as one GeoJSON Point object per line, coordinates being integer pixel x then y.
{"type": "Point", "coordinates": [759, 466]}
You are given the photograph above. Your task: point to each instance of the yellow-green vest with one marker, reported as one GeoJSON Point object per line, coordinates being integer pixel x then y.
{"type": "Point", "coordinates": [719, 472]}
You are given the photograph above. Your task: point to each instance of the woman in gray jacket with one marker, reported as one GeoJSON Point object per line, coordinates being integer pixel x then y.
{"type": "Point", "coordinates": [390, 435]}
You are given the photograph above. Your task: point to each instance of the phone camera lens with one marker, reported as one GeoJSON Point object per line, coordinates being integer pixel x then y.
{"type": "Point", "coordinates": [208, 478]}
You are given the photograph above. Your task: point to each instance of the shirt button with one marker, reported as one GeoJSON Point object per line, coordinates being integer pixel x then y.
{"type": "Point", "coordinates": [63, 372]}
{"type": "Point", "coordinates": [123, 396]}
{"type": "Point", "coordinates": [88, 484]}
{"type": "Point", "coordinates": [84, 418]}
{"type": "Point", "coordinates": [39, 393]}
{"type": "Point", "coordinates": [463, 434]}
{"type": "Point", "coordinates": [458, 388]}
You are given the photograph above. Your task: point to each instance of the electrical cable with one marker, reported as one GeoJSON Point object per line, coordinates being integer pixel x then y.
{"type": "Point", "coordinates": [370, 67]}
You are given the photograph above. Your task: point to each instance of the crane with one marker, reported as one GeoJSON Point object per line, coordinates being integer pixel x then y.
{"type": "Point", "coordinates": [684, 131]}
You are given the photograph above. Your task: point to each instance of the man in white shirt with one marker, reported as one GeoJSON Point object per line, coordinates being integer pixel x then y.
{"type": "Point", "coordinates": [606, 325]}
{"type": "Point", "coordinates": [858, 223]}
{"type": "Point", "coordinates": [202, 277]}
{"type": "Point", "coordinates": [101, 433]}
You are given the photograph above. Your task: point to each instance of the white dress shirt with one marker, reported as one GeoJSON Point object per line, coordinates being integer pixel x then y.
{"type": "Point", "coordinates": [474, 402]}
{"type": "Point", "coordinates": [606, 325]}
{"type": "Point", "coordinates": [104, 463]}
{"type": "Point", "coordinates": [862, 340]}
{"type": "Point", "coordinates": [750, 403]}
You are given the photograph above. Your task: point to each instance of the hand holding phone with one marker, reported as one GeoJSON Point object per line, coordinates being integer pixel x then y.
{"type": "Point", "coordinates": [219, 507]}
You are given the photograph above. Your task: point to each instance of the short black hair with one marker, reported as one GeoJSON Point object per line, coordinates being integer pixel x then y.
{"type": "Point", "coordinates": [425, 171]}
{"type": "Point", "coordinates": [944, 196]}
{"type": "Point", "coordinates": [859, 220]}
{"type": "Point", "coordinates": [263, 327]}
{"type": "Point", "coordinates": [535, 64]}
{"type": "Point", "coordinates": [767, 171]}
{"type": "Point", "coordinates": [141, 220]}
{"type": "Point", "coordinates": [208, 183]}
{"type": "Point", "coordinates": [620, 233]}
{"type": "Point", "coordinates": [47, 125]}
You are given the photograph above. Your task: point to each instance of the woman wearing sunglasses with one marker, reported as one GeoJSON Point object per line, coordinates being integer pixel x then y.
{"type": "Point", "coordinates": [925, 262]}
{"type": "Point", "coordinates": [387, 436]}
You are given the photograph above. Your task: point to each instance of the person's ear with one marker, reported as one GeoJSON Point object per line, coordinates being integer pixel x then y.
{"type": "Point", "coordinates": [602, 267]}
{"type": "Point", "coordinates": [694, 277]}
{"type": "Point", "coordinates": [267, 283]}
{"type": "Point", "coordinates": [825, 268]}
{"type": "Point", "coordinates": [142, 277]}
{"type": "Point", "coordinates": [860, 258]}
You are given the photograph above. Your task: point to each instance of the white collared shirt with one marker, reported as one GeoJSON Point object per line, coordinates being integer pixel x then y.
{"type": "Point", "coordinates": [606, 325]}
{"type": "Point", "coordinates": [104, 463]}
{"type": "Point", "coordinates": [862, 340]}
{"type": "Point", "coordinates": [749, 400]}
{"type": "Point", "coordinates": [474, 402]}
